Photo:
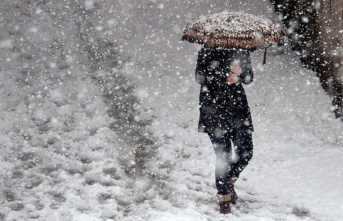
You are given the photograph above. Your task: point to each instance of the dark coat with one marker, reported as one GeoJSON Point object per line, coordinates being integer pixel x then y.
{"type": "Point", "coordinates": [223, 107]}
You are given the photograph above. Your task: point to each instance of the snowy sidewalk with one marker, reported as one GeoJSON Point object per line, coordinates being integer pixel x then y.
{"type": "Point", "coordinates": [295, 173]}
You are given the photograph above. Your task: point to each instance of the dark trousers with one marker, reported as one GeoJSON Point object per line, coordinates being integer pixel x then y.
{"type": "Point", "coordinates": [229, 164]}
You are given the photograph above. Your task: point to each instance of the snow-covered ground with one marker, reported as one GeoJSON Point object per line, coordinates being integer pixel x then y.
{"type": "Point", "coordinates": [62, 159]}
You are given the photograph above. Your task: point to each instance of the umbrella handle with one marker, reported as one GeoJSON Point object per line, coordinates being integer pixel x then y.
{"type": "Point", "coordinates": [264, 56]}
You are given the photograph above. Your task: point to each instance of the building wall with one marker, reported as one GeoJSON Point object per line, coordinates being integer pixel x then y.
{"type": "Point", "coordinates": [330, 24]}
{"type": "Point", "coordinates": [315, 29]}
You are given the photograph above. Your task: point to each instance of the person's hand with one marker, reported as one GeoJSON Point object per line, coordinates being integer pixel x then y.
{"type": "Point", "coordinates": [235, 67]}
{"type": "Point", "coordinates": [236, 70]}
{"type": "Point", "coordinates": [232, 78]}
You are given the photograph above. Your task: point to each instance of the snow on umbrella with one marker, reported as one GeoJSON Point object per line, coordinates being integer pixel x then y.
{"type": "Point", "coordinates": [233, 30]}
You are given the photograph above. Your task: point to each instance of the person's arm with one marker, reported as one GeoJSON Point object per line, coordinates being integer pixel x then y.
{"type": "Point", "coordinates": [247, 75]}
{"type": "Point", "coordinates": [202, 66]}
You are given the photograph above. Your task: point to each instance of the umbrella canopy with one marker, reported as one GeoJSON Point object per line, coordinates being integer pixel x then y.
{"type": "Point", "coordinates": [233, 30]}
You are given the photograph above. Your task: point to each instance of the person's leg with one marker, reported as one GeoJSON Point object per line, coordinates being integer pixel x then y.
{"type": "Point", "coordinates": [243, 141]}
{"type": "Point", "coordinates": [222, 149]}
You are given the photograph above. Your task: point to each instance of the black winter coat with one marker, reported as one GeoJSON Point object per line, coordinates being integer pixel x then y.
{"type": "Point", "coordinates": [223, 107]}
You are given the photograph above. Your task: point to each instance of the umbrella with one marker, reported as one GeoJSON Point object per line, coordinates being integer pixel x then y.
{"type": "Point", "coordinates": [233, 30]}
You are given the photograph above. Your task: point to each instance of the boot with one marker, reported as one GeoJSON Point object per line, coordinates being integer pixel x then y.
{"type": "Point", "coordinates": [224, 203]}
{"type": "Point", "coordinates": [232, 190]}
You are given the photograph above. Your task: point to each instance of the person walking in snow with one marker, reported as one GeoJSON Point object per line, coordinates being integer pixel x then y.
{"type": "Point", "coordinates": [225, 115]}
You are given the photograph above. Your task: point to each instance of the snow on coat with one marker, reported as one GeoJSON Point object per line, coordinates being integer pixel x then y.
{"type": "Point", "coordinates": [223, 107]}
